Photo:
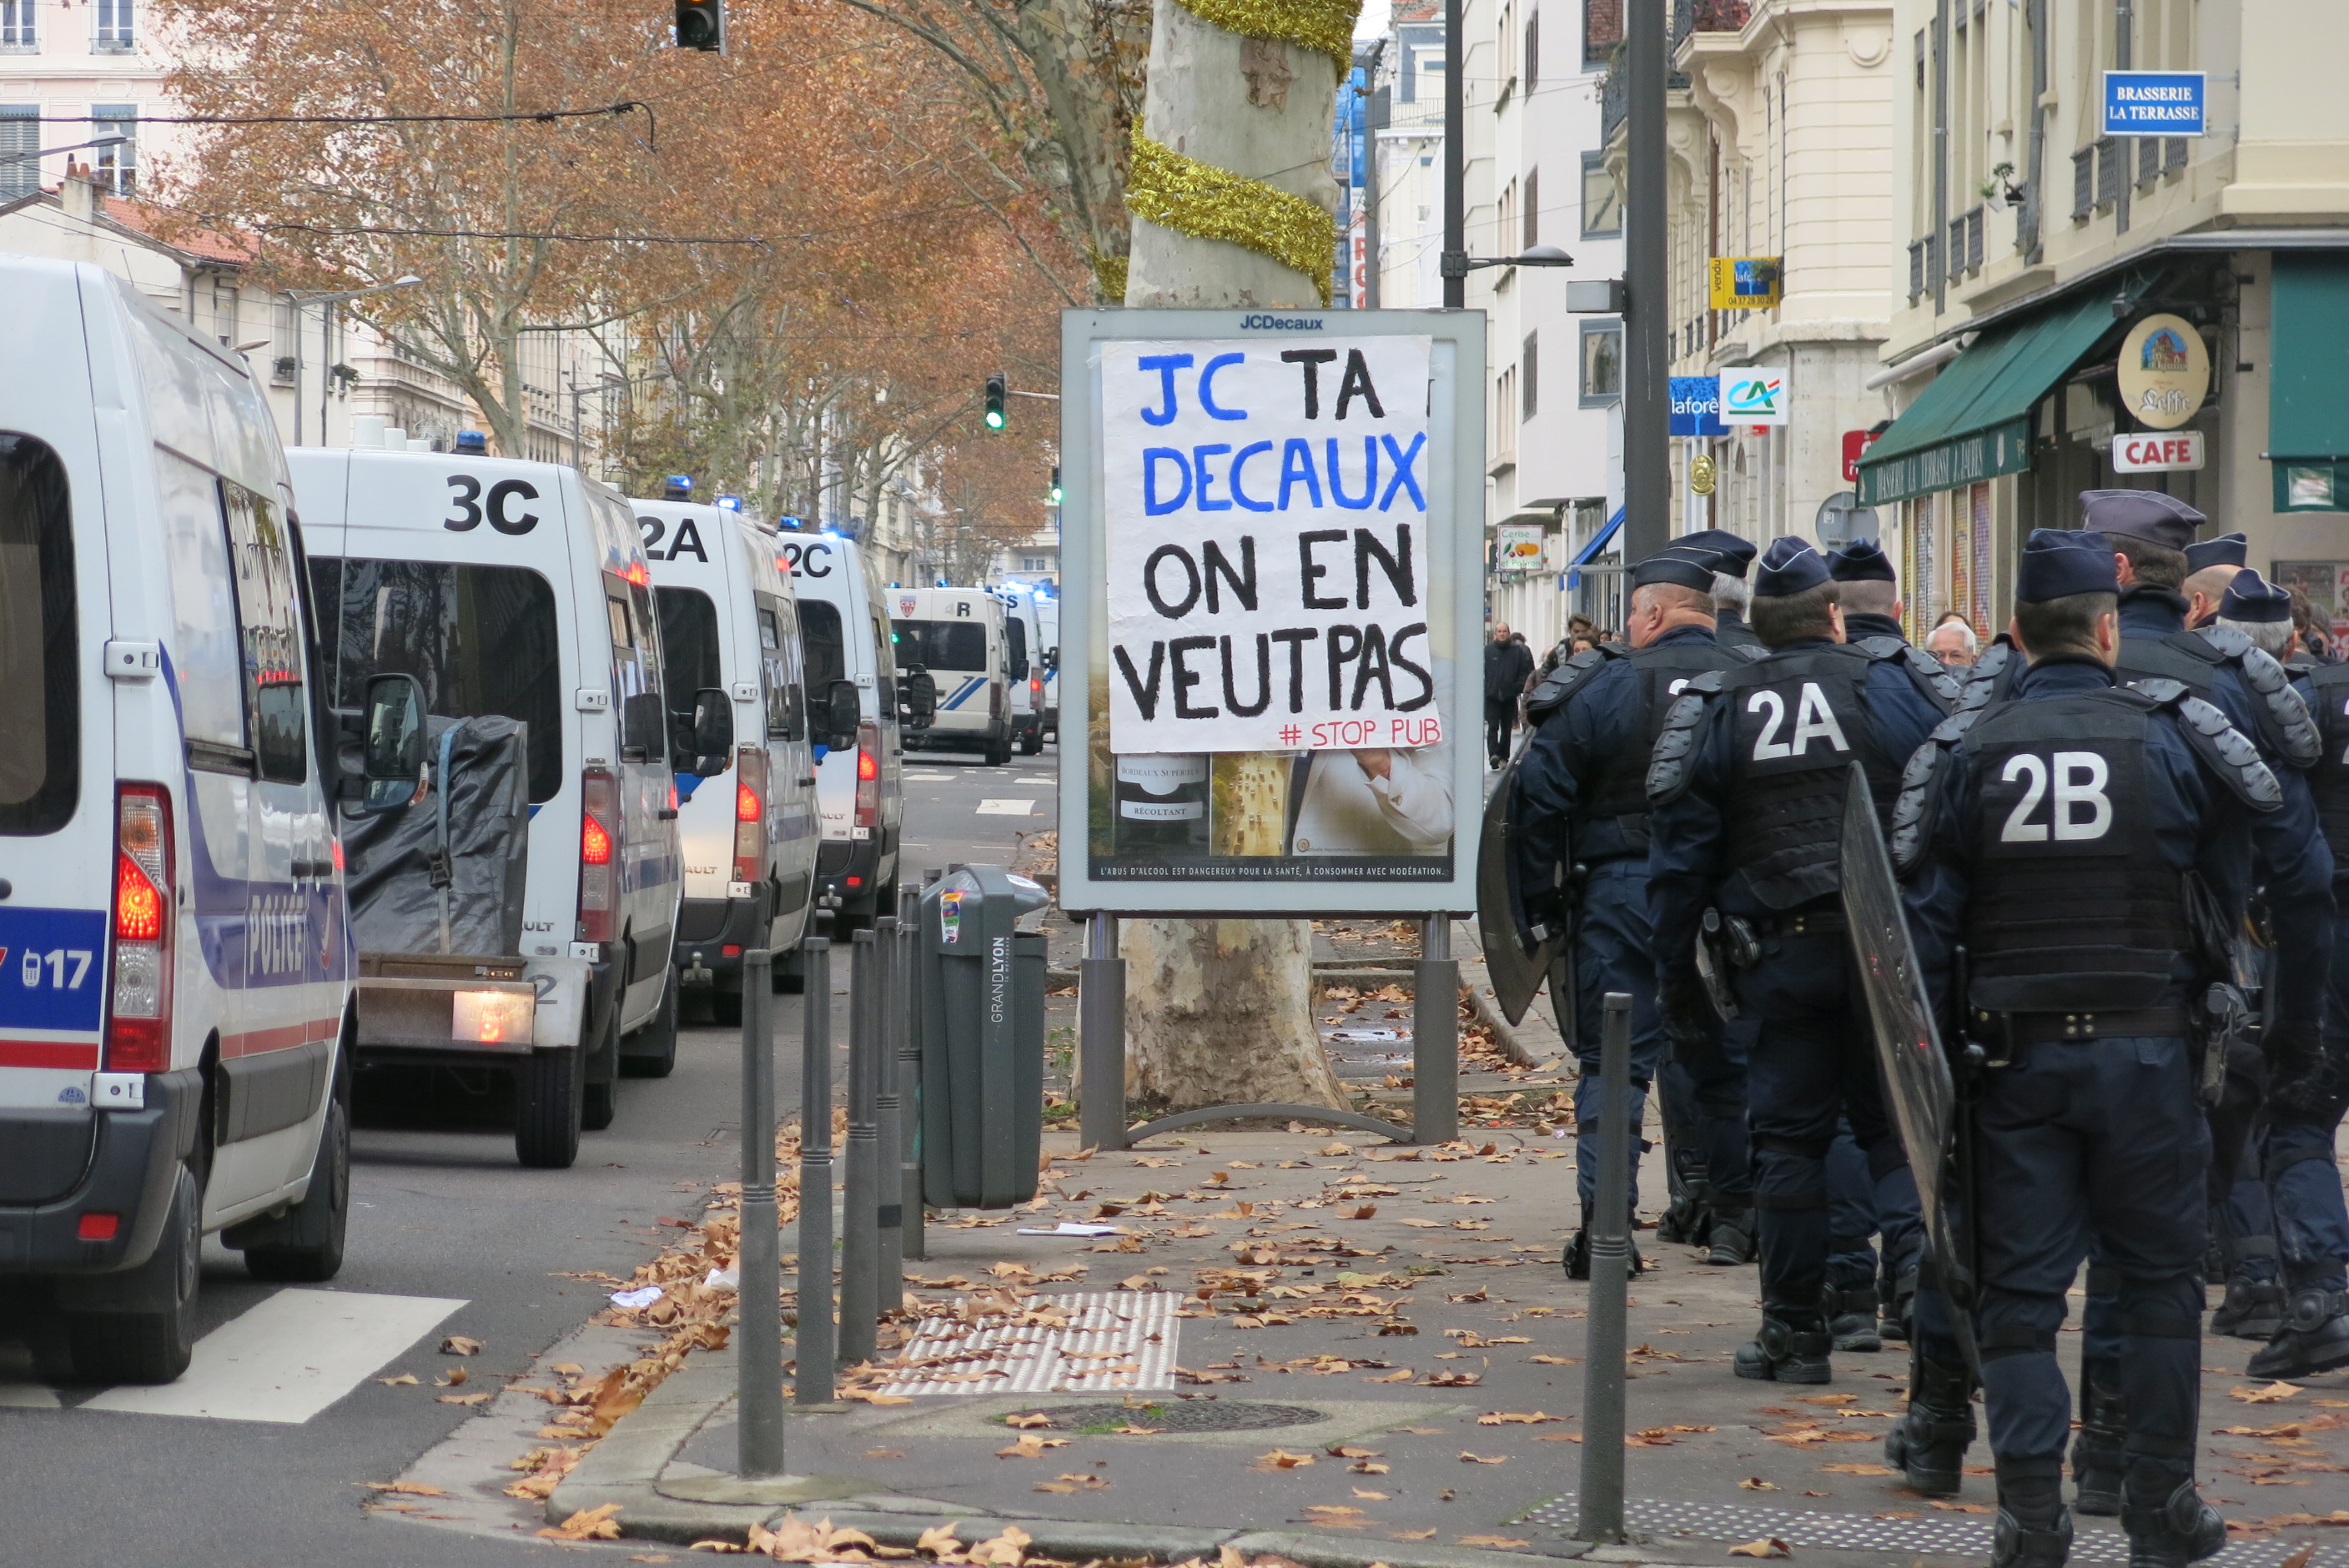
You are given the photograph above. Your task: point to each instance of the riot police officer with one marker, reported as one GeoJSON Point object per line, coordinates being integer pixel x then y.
{"type": "Point", "coordinates": [1745, 800]}
{"type": "Point", "coordinates": [2080, 845]}
{"type": "Point", "coordinates": [1731, 555]}
{"type": "Point", "coordinates": [1580, 820]}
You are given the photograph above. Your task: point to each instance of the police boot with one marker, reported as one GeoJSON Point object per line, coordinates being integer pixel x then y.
{"type": "Point", "coordinates": [1578, 1256]}
{"type": "Point", "coordinates": [2315, 1336]}
{"type": "Point", "coordinates": [2034, 1528]}
{"type": "Point", "coordinates": [1930, 1444]}
{"type": "Point", "coordinates": [1899, 1309]}
{"type": "Point", "coordinates": [2254, 1310]}
{"type": "Point", "coordinates": [1687, 1221]}
{"type": "Point", "coordinates": [1851, 1316]}
{"type": "Point", "coordinates": [1732, 1241]}
{"type": "Point", "coordinates": [2180, 1529]}
{"type": "Point", "coordinates": [1791, 1348]}
{"type": "Point", "coordinates": [2096, 1462]}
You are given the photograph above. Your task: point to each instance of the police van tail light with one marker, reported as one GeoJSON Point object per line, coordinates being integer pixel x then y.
{"type": "Point", "coordinates": [1035, 686]}
{"type": "Point", "coordinates": [750, 814]}
{"type": "Point", "coordinates": [599, 843]}
{"type": "Point", "coordinates": [139, 1003]}
{"type": "Point", "coordinates": [868, 773]}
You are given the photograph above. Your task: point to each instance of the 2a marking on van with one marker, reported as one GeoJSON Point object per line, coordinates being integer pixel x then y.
{"type": "Point", "coordinates": [688, 538]}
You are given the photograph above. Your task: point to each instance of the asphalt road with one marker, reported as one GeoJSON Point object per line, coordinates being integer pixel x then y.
{"type": "Point", "coordinates": [448, 1236]}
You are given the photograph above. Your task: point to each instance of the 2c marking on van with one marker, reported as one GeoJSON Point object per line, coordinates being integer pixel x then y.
{"type": "Point", "coordinates": [471, 506]}
{"type": "Point", "coordinates": [799, 558]}
{"type": "Point", "coordinates": [688, 538]}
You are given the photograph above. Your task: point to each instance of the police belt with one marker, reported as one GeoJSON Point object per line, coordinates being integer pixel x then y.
{"type": "Point", "coordinates": [2046, 1028]}
{"type": "Point", "coordinates": [1825, 922]}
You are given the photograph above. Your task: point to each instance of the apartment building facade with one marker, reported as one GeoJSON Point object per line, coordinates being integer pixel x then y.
{"type": "Point", "coordinates": [2076, 310]}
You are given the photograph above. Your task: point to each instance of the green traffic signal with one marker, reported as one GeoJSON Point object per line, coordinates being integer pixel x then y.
{"type": "Point", "coordinates": [998, 391]}
{"type": "Point", "coordinates": [1056, 486]}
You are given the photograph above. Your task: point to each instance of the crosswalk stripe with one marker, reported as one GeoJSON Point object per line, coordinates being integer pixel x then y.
{"type": "Point", "coordinates": [287, 1357]}
{"type": "Point", "coordinates": [1006, 808]}
{"type": "Point", "coordinates": [27, 1397]}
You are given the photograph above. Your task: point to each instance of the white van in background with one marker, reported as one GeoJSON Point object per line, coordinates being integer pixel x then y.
{"type": "Point", "coordinates": [960, 636]}
{"type": "Point", "coordinates": [728, 619]}
{"type": "Point", "coordinates": [851, 687]}
{"type": "Point", "coordinates": [1023, 666]}
{"type": "Point", "coordinates": [1048, 622]}
{"type": "Point", "coordinates": [174, 962]}
{"type": "Point", "coordinates": [514, 590]}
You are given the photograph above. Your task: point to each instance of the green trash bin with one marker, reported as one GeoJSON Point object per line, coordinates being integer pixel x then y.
{"type": "Point", "coordinates": [982, 1001]}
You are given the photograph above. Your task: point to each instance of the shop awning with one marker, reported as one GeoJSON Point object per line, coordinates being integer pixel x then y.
{"type": "Point", "coordinates": [1589, 552]}
{"type": "Point", "coordinates": [2308, 424]}
{"type": "Point", "coordinates": [1975, 421]}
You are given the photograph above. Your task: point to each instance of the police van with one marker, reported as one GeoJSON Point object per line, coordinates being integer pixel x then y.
{"type": "Point", "coordinates": [845, 636]}
{"type": "Point", "coordinates": [728, 619]}
{"type": "Point", "coordinates": [515, 599]}
{"type": "Point", "coordinates": [174, 965]}
{"type": "Point", "coordinates": [962, 636]}
{"type": "Point", "coordinates": [1024, 667]}
{"type": "Point", "coordinates": [1047, 634]}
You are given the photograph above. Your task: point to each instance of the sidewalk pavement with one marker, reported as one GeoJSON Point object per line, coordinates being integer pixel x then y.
{"type": "Point", "coordinates": [1338, 1352]}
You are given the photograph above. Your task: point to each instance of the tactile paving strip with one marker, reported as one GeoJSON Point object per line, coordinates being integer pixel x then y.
{"type": "Point", "coordinates": [1114, 1341]}
{"type": "Point", "coordinates": [2099, 1542]}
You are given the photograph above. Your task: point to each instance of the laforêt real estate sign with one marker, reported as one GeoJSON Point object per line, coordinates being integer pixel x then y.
{"type": "Point", "coordinates": [1273, 558]}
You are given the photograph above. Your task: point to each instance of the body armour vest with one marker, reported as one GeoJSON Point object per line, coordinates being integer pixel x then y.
{"type": "Point", "coordinates": [2071, 910]}
{"type": "Point", "coordinates": [2193, 659]}
{"type": "Point", "coordinates": [1798, 721]}
{"type": "Point", "coordinates": [1618, 788]}
{"type": "Point", "coordinates": [2329, 780]}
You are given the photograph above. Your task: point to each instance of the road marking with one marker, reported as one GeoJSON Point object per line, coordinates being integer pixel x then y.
{"type": "Point", "coordinates": [1007, 808]}
{"type": "Point", "coordinates": [926, 778]}
{"type": "Point", "coordinates": [288, 1357]}
{"type": "Point", "coordinates": [1115, 1341]}
{"type": "Point", "coordinates": [27, 1397]}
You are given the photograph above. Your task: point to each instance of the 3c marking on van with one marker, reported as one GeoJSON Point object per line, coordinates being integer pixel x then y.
{"type": "Point", "coordinates": [470, 508]}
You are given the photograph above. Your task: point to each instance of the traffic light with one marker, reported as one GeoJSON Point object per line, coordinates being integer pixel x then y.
{"type": "Point", "coordinates": [997, 391]}
{"type": "Point", "coordinates": [1056, 484]}
{"type": "Point", "coordinates": [701, 25]}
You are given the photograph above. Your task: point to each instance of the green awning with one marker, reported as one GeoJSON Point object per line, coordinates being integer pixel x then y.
{"type": "Point", "coordinates": [1975, 421]}
{"type": "Point", "coordinates": [2307, 419]}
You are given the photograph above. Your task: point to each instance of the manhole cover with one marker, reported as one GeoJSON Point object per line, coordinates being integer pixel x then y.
{"type": "Point", "coordinates": [1181, 1416]}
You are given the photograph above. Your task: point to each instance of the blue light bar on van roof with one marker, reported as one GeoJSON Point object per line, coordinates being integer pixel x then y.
{"type": "Point", "coordinates": [789, 524]}
{"type": "Point", "coordinates": [731, 502]}
{"type": "Point", "coordinates": [473, 442]}
{"type": "Point", "coordinates": [677, 487]}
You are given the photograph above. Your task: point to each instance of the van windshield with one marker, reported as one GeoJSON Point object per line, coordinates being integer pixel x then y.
{"type": "Point", "coordinates": [942, 644]}
{"type": "Point", "coordinates": [688, 635]}
{"type": "Point", "coordinates": [480, 639]}
{"type": "Point", "coordinates": [40, 740]}
{"type": "Point", "coordinates": [827, 653]}
{"type": "Point", "coordinates": [1018, 658]}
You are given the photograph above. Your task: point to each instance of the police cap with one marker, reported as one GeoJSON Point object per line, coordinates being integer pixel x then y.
{"type": "Point", "coordinates": [1861, 560]}
{"type": "Point", "coordinates": [2141, 514]}
{"type": "Point", "coordinates": [2057, 564]}
{"type": "Point", "coordinates": [1789, 566]}
{"type": "Point", "coordinates": [1687, 569]}
{"type": "Point", "coordinates": [1732, 552]}
{"type": "Point", "coordinates": [2227, 550]}
{"type": "Point", "coordinates": [2251, 597]}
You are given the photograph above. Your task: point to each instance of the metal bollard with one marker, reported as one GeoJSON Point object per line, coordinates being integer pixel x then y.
{"type": "Point", "coordinates": [860, 1234]}
{"type": "Point", "coordinates": [1602, 1357]}
{"type": "Point", "coordinates": [1436, 1036]}
{"type": "Point", "coordinates": [816, 1334]}
{"type": "Point", "coordinates": [889, 1271]}
{"type": "Point", "coordinates": [758, 1269]}
{"type": "Point", "coordinates": [1100, 1035]}
{"type": "Point", "coordinates": [913, 1240]}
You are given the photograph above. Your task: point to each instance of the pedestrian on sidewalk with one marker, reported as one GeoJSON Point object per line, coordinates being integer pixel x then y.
{"type": "Point", "coordinates": [1507, 663]}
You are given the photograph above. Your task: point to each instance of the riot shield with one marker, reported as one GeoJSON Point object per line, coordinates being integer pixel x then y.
{"type": "Point", "coordinates": [1924, 1102]}
{"type": "Point", "coordinates": [1517, 971]}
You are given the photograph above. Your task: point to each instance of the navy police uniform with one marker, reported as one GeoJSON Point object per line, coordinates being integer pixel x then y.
{"type": "Point", "coordinates": [1580, 821]}
{"type": "Point", "coordinates": [1745, 810]}
{"type": "Point", "coordinates": [2058, 841]}
{"type": "Point", "coordinates": [1731, 555]}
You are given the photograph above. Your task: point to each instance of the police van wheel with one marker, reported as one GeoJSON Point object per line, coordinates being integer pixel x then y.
{"type": "Point", "coordinates": [997, 754]}
{"type": "Point", "coordinates": [1033, 744]}
{"type": "Point", "coordinates": [154, 1343]}
{"type": "Point", "coordinates": [598, 1104]}
{"type": "Point", "coordinates": [726, 1010]}
{"type": "Point", "coordinates": [305, 1244]}
{"type": "Point", "coordinates": [549, 1088]}
{"type": "Point", "coordinates": [651, 1051]}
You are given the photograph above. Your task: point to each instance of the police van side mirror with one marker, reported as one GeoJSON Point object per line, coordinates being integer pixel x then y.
{"type": "Point", "coordinates": [843, 714]}
{"type": "Point", "coordinates": [391, 744]}
{"type": "Point", "coordinates": [710, 733]}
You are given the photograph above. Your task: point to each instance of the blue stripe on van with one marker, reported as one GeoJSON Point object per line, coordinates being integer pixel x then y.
{"type": "Point", "coordinates": [962, 693]}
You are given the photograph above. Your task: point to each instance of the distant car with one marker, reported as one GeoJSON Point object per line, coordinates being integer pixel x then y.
{"type": "Point", "coordinates": [513, 591]}
{"type": "Point", "coordinates": [729, 619]}
{"type": "Point", "coordinates": [175, 967]}
{"type": "Point", "coordinates": [962, 638]}
{"type": "Point", "coordinates": [851, 683]}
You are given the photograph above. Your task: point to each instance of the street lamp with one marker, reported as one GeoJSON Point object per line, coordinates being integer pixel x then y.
{"type": "Point", "coordinates": [1460, 263]}
{"type": "Point", "coordinates": [329, 298]}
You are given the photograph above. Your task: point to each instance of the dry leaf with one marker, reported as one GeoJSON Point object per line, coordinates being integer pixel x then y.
{"type": "Point", "coordinates": [1857, 1469]}
{"type": "Point", "coordinates": [480, 1398]}
{"type": "Point", "coordinates": [1554, 1361]}
{"type": "Point", "coordinates": [1345, 1452]}
{"type": "Point", "coordinates": [1500, 1542]}
{"type": "Point", "coordinates": [1005, 1551]}
{"type": "Point", "coordinates": [407, 1487]}
{"type": "Point", "coordinates": [405, 1381]}
{"type": "Point", "coordinates": [458, 1344]}
{"type": "Point", "coordinates": [1400, 1375]}
{"type": "Point", "coordinates": [588, 1524]}
{"type": "Point", "coordinates": [1366, 1492]}
{"type": "Point", "coordinates": [1515, 1418]}
{"type": "Point", "coordinates": [1030, 1447]}
{"type": "Point", "coordinates": [1363, 1211]}
{"type": "Point", "coordinates": [1366, 1467]}
{"type": "Point", "coordinates": [456, 1376]}
{"type": "Point", "coordinates": [1468, 1458]}
{"type": "Point", "coordinates": [1453, 1380]}
{"type": "Point", "coordinates": [1032, 1419]}
{"type": "Point", "coordinates": [1333, 1151]}
{"type": "Point", "coordinates": [1756, 1483]}
{"type": "Point", "coordinates": [1332, 1513]}
{"type": "Point", "coordinates": [1961, 1507]}
{"type": "Point", "coordinates": [2299, 1559]}
{"type": "Point", "coordinates": [1281, 1459]}
{"type": "Point", "coordinates": [1074, 1483]}
{"type": "Point", "coordinates": [939, 1541]}
{"type": "Point", "coordinates": [1409, 1534]}
{"type": "Point", "coordinates": [2274, 1393]}
{"type": "Point", "coordinates": [1770, 1546]}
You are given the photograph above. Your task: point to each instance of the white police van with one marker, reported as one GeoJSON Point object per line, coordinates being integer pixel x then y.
{"type": "Point", "coordinates": [1023, 667]}
{"type": "Point", "coordinates": [1048, 633]}
{"type": "Point", "coordinates": [174, 963]}
{"type": "Point", "coordinates": [961, 638]}
{"type": "Point", "coordinates": [513, 591]}
{"type": "Point", "coordinates": [851, 673]}
{"type": "Point", "coordinates": [729, 619]}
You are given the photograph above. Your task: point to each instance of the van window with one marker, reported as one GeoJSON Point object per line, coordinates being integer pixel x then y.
{"type": "Point", "coordinates": [827, 649]}
{"type": "Point", "coordinates": [635, 668]}
{"type": "Point", "coordinates": [688, 637]}
{"type": "Point", "coordinates": [206, 658]}
{"type": "Point", "coordinates": [779, 660]}
{"type": "Point", "coordinates": [1016, 664]}
{"type": "Point", "coordinates": [481, 639]}
{"type": "Point", "coordinates": [942, 644]}
{"type": "Point", "coordinates": [269, 631]}
{"type": "Point", "coordinates": [40, 742]}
